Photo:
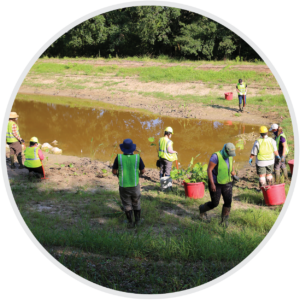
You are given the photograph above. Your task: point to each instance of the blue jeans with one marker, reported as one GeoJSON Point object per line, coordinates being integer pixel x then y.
{"type": "Point", "coordinates": [241, 99]}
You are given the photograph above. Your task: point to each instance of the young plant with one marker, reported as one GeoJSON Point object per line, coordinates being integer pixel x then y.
{"type": "Point", "coordinates": [151, 140]}
{"type": "Point", "coordinates": [94, 150]}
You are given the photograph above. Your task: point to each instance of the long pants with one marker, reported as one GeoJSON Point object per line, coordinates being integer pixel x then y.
{"type": "Point", "coordinates": [130, 197]}
{"type": "Point", "coordinates": [165, 167]}
{"type": "Point", "coordinates": [279, 164]}
{"type": "Point", "coordinates": [15, 148]}
{"type": "Point", "coordinates": [221, 189]}
{"type": "Point", "coordinates": [241, 99]}
{"type": "Point", "coordinates": [38, 170]}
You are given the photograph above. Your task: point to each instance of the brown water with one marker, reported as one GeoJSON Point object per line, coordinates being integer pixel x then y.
{"type": "Point", "coordinates": [74, 128]}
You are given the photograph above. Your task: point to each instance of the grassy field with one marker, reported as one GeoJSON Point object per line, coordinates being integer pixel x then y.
{"type": "Point", "coordinates": [157, 73]}
{"type": "Point", "coordinates": [171, 251]}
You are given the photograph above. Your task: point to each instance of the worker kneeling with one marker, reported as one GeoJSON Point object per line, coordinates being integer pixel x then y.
{"type": "Point", "coordinates": [264, 148]}
{"type": "Point", "coordinates": [166, 153]}
{"type": "Point", "coordinates": [220, 171]}
{"type": "Point", "coordinates": [127, 167]}
{"type": "Point", "coordinates": [33, 158]}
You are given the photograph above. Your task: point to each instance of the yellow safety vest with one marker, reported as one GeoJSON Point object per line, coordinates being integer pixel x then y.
{"type": "Point", "coordinates": [10, 138]}
{"type": "Point", "coordinates": [164, 143]}
{"type": "Point", "coordinates": [241, 88]}
{"type": "Point", "coordinates": [32, 159]}
{"type": "Point", "coordinates": [266, 150]}
{"type": "Point", "coordinates": [278, 140]}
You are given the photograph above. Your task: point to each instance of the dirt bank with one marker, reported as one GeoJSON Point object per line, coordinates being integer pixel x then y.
{"type": "Point", "coordinates": [72, 173]}
{"type": "Point", "coordinates": [181, 99]}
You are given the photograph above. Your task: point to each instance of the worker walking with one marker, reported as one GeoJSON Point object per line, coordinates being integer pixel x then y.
{"type": "Point", "coordinates": [264, 149]}
{"type": "Point", "coordinates": [241, 89]}
{"type": "Point", "coordinates": [14, 140]}
{"type": "Point", "coordinates": [283, 150]}
{"type": "Point", "coordinates": [220, 172]}
{"type": "Point", "coordinates": [166, 153]}
{"type": "Point", "coordinates": [34, 157]}
{"type": "Point", "coordinates": [128, 166]}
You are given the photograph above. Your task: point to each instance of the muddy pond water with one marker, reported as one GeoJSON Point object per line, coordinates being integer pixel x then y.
{"type": "Point", "coordinates": [80, 130]}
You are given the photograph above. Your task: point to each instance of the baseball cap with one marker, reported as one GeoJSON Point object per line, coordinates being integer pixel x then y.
{"type": "Point", "coordinates": [274, 126]}
{"type": "Point", "coordinates": [230, 149]}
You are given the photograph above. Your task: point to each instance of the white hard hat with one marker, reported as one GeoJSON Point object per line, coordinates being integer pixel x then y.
{"type": "Point", "coordinates": [274, 126]}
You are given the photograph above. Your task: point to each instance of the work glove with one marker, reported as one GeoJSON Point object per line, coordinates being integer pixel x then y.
{"type": "Point", "coordinates": [283, 159]}
{"type": "Point", "coordinates": [235, 178]}
{"type": "Point", "coordinates": [250, 161]}
{"type": "Point", "coordinates": [278, 157]}
{"type": "Point", "coordinates": [22, 141]}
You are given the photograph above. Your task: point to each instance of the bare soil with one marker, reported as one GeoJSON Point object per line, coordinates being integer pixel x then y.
{"type": "Point", "coordinates": [131, 92]}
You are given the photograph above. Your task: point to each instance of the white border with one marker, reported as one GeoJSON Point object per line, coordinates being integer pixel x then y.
{"type": "Point", "coordinates": [271, 31]}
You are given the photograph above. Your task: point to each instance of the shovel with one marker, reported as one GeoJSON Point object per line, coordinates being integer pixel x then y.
{"type": "Point", "coordinates": [244, 100]}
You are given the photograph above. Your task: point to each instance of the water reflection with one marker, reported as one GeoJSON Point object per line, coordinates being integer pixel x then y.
{"type": "Point", "coordinates": [74, 128]}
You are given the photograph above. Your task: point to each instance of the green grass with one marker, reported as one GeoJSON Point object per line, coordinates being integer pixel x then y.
{"type": "Point", "coordinates": [158, 74]}
{"type": "Point", "coordinates": [171, 251]}
{"type": "Point", "coordinates": [159, 59]}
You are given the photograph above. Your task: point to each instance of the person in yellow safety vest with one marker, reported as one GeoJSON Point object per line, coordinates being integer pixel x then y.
{"type": "Point", "coordinates": [220, 172]}
{"type": "Point", "coordinates": [33, 157]}
{"type": "Point", "coordinates": [241, 89]}
{"type": "Point", "coordinates": [166, 153]}
{"type": "Point", "coordinates": [283, 150]}
{"type": "Point", "coordinates": [264, 149]}
{"type": "Point", "coordinates": [14, 140]}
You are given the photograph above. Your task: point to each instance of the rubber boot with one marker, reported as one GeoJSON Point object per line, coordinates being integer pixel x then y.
{"type": "Point", "coordinates": [203, 209]}
{"type": "Point", "coordinates": [225, 216]}
{"type": "Point", "coordinates": [129, 218]}
{"type": "Point", "coordinates": [137, 217]}
{"type": "Point", "coordinates": [277, 176]}
{"type": "Point", "coordinates": [286, 176]}
{"type": "Point", "coordinates": [19, 157]}
{"type": "Point", "coordinates": [12, 162]}
{"type": "Point", "coordinates": [240, 107]}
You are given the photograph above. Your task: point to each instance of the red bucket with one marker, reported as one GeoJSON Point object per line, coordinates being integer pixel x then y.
{"type": "Point", "coordinates": [194, 190]}
{"type": "Point", "coordinates": [228, 96]}
{"type": "Point", "coordinates": [291, 164]}
{"type": "Point", "coordinates": [274, 194]}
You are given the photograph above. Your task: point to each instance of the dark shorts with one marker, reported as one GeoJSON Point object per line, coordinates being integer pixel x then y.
{"type": "Point", "coordinates": [15, 148]}
{"type": "Point", "coordinates": [165, 167]}
{"type": "Point", "coordinates": [264, 170]}
{"type": "Point", "coordinates": [38, 170]}
{"type": "Point", "coordinates": [131, 197]}
{"type": "Point", "coordinates": [224, 190]}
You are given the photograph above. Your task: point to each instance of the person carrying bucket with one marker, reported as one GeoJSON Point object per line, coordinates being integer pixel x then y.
{"type": "Point", "coordinates": [220, 181]}
{"type": "Point", "coordinates": [34, 157]}
{"type": "Point", "coordinates": [264, 149]}
{"type": "Point", "coordinates": [128, 167]}
{"type": "Point", "coordinates": [14, 140]}
{"type": "Point", "coordinates": [241, 89]}
{"type": "Point", "coordinates": [166, 153]}
{"type": "Point", "coordinates": [283, 150]}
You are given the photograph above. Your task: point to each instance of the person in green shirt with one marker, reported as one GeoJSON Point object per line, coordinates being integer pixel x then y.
{"type": "Point", "coordinates": [220, 172]}
{"type": "Point", "coordinates": [241, 89]}
{"type": "Point", "coordinates": [128, 167]}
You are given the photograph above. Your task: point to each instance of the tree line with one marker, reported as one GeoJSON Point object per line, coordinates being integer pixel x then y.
{"type": "Point", "coordinates": [152, 31]}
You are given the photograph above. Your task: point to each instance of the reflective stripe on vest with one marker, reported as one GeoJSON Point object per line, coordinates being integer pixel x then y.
{"type": "Point", "coordinates": [128, 166]}
{"type": "Point", "coordinates": [164, 143]}
{"type": "Point", "coordinates": [10, 138]}
{"type": "Point", "coordinates": [224, 173]}
{"type": "Point", "coordinates": [241, 88]}
{"type": "Point", "coordinates": [266, 150]}
{"type": "Point", "coordinates": [278, 140]}
{"type": "Point", "coordinates": [32, 159]}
